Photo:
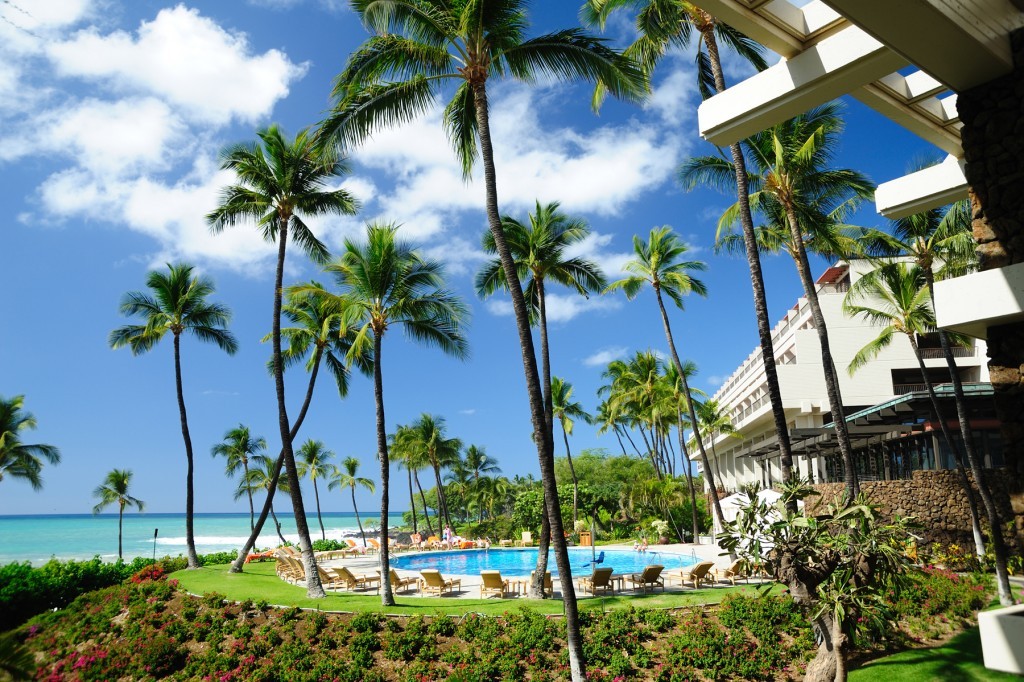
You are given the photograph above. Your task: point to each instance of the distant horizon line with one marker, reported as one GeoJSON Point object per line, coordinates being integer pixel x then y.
{"type": "Point", "coordinates": [154, 514]}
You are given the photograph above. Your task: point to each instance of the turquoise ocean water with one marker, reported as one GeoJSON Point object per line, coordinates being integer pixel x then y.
{"type": "Point", "coordinates": [37, 538]}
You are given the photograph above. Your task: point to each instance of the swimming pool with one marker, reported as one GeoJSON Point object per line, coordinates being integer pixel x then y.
{"type": "Point", "coordinates": [520, 562]}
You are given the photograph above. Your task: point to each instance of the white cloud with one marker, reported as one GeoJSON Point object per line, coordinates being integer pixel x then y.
{"type": "Point", "coordinates": [186, 59]}
{"type": "Point", "coordinates": [560, 308]}
{"type": "Point", "coordinates": [459, 255]}
{"type": "Point", "coordinates": [605, 355]}
{"type": "Point", "coordinates": [27, 25]}
{"type": "Point", "coordinates": [673, 97]}
{"type": "Point", "coordinates": [469, 411]}
{"type": "Point", "coordinates": [715, 381]}
{"type": "Point", "coordinates": [593, 248]}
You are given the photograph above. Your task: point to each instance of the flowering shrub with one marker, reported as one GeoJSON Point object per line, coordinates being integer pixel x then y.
{"type": "Point", "coordinates": [151, 572]}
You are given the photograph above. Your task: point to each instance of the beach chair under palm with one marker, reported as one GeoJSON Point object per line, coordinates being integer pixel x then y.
{"type": "Point", "coordinates": [600, 579]}
{"type": "Point", "coordinates": [548, 585]}
{"type": "Point", "coordinates": [493, 583]}
{"type": "Point", "coordinates": [431, 580]}
{"type": "Point", "coordinates": [352, 581]}
{"type": "Point", "coordinates": [648, 579]}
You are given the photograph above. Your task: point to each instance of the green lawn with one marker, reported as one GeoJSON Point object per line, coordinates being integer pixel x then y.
{"type": "Point", "coordinates": [259, 581]}
{"type": "Point", "coordinates": [959, 660]}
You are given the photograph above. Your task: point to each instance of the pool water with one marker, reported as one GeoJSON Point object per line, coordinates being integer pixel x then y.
{"type": "Point", "coordinates": [521, 562]}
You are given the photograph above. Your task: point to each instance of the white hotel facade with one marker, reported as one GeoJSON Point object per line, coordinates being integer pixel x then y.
{"type": "Point", "coordinates": [885, 401]}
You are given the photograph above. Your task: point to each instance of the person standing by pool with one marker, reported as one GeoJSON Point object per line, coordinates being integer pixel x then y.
{"type": "Point", "coordinates": [446, 536]}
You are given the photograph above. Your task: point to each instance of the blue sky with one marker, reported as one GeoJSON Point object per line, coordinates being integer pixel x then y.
{"type": "Point", "coordinates": [113, 115]}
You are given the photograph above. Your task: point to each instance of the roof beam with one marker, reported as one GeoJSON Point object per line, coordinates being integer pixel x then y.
{"type": "Point", "coordinates": [960, 43]}
{"type": "Point", "coordinates": [926, 189]}
{"type": "Point", "coordinates": [840, 63]}
{"type": "Point", "coordinates": [945, 134]}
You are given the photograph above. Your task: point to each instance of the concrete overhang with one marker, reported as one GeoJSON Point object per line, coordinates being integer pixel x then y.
{"type": "Point", "coordinates": [923, 190]}
{"type": "Point", "coordinates": [973, 303]}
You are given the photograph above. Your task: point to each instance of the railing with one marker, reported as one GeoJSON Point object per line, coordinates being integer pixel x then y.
{"type": "Point", "coordinates": [958, 352]}
{"type": "Point", "coordinates": [837, 288]}
{"type": "Point", "coordinates": [902, 389]}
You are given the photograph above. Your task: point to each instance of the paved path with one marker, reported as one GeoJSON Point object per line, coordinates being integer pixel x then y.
{"type": "Point", "coordinates": [471, 583]}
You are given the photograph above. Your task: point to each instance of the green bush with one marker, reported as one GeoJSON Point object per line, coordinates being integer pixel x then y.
{"type": "Point", "coordinates": [328, 545]}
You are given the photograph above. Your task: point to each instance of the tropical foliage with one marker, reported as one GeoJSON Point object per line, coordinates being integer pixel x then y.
{"type": "Point", "coordinates": [19, 459]}
{"type": "Point", "coordinates": [114, 490]}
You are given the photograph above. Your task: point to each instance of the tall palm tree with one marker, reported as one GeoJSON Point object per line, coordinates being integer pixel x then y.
{"type": "Point", "coordinates": [17, 459]}
{"type": "Point", "coordinates": [281, 184]}
{"type": "Point", "coordinates": [323, 330]}
{"type": "Point", "coordinates": [238, 448]}
{"type": "Point", "coordinates": [659, 263]}
{"type": "Point", "coordinates": [664, 24]}
{"type": "Point", "coordinates": [177, 304]}
{"type": "Point", "coordinates": [261, 478]}
{"type": "Point", "coordinates": [114, 490]}
{"type": "Point", "coordinates": [566, 411]}
{"type": "Point", "coordinates": [440, 452]}
{"type": "Point", "coordinates": [419, 46]}
{"type": "Point", "coordinates": [391, 285]}
{"type": "Point", "coordinates": [712, 419]}
{"type": "Point", "coordinates": [313, 461]}
{"type": "Point", "coordinates": [403, 449]}
{"type": "Point", "coordinates": [897, 296]}
{"type": "Point", "coordinates": [679, 400]}
{"type": "Point", "coordinates": [345, 477]}
{"type": "Point", "coordinates": [793, 185]}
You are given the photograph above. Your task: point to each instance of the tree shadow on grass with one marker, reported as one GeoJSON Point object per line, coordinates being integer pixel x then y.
{"type": "Point", "coordinates": [959, 660]}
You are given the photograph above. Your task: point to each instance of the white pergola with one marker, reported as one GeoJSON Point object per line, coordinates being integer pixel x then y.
{"type": "Point", "coordinates": [906, 59]}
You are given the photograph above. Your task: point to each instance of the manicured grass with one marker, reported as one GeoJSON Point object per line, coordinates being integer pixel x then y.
{"type": "Point", "coordinates": [959, 660]}
{"type": "Point", "coordinates": [259, 581]}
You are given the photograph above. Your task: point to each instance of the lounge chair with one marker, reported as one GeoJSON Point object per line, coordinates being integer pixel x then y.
{"type": "Point", "coordinates": [600, 579]}
{"type": "Point", "coordinates": [695, 575]}
{"type": "Point", "coordinates": [506, 543]}
{"type": "Point", "coordinates": [432, 581]}
{"type": "Point", "coordinates": [433, 542]}
{"type": "Point", "coordinates": [329, 579]}
{"type": "Point", "coordinates": [289, 569]}
{"type": "Point", "coordinates": [374, 545]}
{"type": "Point", "coordinates": [648, 579]}
{"type": "Point", "coordinates": [548, 586]}
{"type": "Point", "coordinates": [355, 546]}
{"type": "Point", "coordinates": [400, 584]}
{"type": "Point", "coordinates": [737, 569]}
{"type": "Point", "coordinates": [352, 581]}
{"type": "Point", "coordinates": [527, 540]}
{"type": "Point", "coordinates": [492, 583]}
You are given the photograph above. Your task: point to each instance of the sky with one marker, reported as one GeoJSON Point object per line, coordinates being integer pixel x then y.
{"type": "Point", "coordinates": [112, 118]}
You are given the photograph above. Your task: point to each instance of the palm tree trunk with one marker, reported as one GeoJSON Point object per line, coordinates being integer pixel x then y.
{"type": "Point", "coordinates": [835, 398]}
{"type": "Point", "coordinates": [650, 451]}
{"type": "Point", "coordinates": [972, 503]}
{"type": "Point", "coordinates": [618, 436]}
{"type": "Point", "coordinates": [764, 327]}
{"type": "Point", "coordinates": [442, 503]}
{"type": "Point", "coordinates": [984, 490]}
{"type": "Point", "coordinates": [268, 504]}
{"type": "Point", "coordinates": [541, 567]}
{"type": "Point", "coordinates": [412, 501]}
{"type": "Point", "coordinates": [277, 525]}
{"type": "Point", "coordinates": [362, 533]}
{"type": "Point", "coordinates": [689, 479]}
{"type": "Point", "coordinates": [689, 403]}
{"type": "Point", "coordinates": [575, 481]}
{"type": "Point", "coordinates": [423, 499]}
{"type": "Point", "coordinates": [536, 589]}
{"type": "Point", "coordinates": [190, 538]}
{"type": "Point", "coordinates": [252, 510]}
{"type": "Point", "coordinates": [387, 598]}
{"type": "Point", "coordinates": [319, 518]}
{"type": "Point", "coordinates": [314, 590]}
{"type": "Point", "coordinates": [633, 443]}
{"type": "Point", "coordinates": [541, 428]}
{"type": "Point", "coordinates": [120, 522]}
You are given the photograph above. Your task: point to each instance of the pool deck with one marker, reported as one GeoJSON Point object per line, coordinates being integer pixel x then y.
{"type": "Point", "coordinates": [470, 587]}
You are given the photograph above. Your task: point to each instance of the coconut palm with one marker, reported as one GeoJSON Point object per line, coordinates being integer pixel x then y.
{"type": "Point", "coordinates": [392, 285]}
{"type": "Point", "coordinates": [313, 461]}
{"type": "Point", "coordinates": [479, 463]}
{"type": "Point", "coordinates": [429, 433]}
{"type": "Point", "coordinates": [322, 331]}
{"type": "Point", "coordinates": [238, 448]}
{"type": "Point", "coordinates": [419, 46]}
{"type": "Point", "coordinates": [17, 459]}
{"type": "Point", "coordinates": [403, 449]}
{"type": "Point", "coordinates": [261, 477]}
{"type": "Point", "coordinates": [659, 263]}
{"type": "Point", "coordinates": [281, 184]}
{"type": "Point", "coordinates": [114, 490]}
{"type": "Point", "coordinates": [678, 398]}
{"type": "Point", "coordinates": [664, 24]}
{"type": "Point", "coordinates": [566, 411]}
{"type": "Point", "coordinates": [345, 477]}
{"type": "Point", "coordinates": [177, 304]}
{"type": "Point", "coordinates": [792, 185]}
{"type": "Point", "coordinates": [897, 296]}
{"type": "Point", "coordinates": [712, 420]}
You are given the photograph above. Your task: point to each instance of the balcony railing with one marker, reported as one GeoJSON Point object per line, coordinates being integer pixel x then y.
{"type": "Point", "coordinates": [901, 389]}
{"type": "Point", "coordinates": [958, 352]}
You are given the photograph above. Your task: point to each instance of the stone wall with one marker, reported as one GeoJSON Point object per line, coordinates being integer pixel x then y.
{"type": "Point", "coordinates": [935, 499]}
{"type": "Point", "coordinates": [993, 140]}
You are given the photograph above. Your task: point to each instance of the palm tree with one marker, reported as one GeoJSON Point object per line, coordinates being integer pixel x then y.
{"type": "Point", "coordinates": [479, 462]}
{"type": "Point", "coordinates": [282, 183]}
{"type": "Point", "coordinates": [313, 462]}
{"type": "Point", "coordinates": [261, 478]}
{"type": "Point", "coordinates": [566, 410]}
{"type": "Point", "coordinates": [658, 262]}
{"type": "Point", "coordinates": [114, 490]}
{"type": "Point", "coordinates": [345, 477]}
{"type": "Point", "coordinates": [711, 420]}
{"type": "Point", "coordinates": [902, 302]}
{"type": "Point", "coordinates": [17, 459]}
{"type": "Point", "coordinates": [423, 44]}
{"type": "Point", "coordinates": [403, 449]}
{"type": "Point", "coordinates": [679, 400]}
{"type": "Point", "coordinates": [390, 284]}
{"type": "Point", "coordinates": [793, 185]}
{"type": "Point", "coordinates": [177, 304]}
{"type": "Point", "coordinates": [322, 330]}
{"type": "Point", "coordinates": [238, 448]}
{"type": "Point", "coordinates": [440, 452]}
{"type": "Point", "coordinates": [662, 24]}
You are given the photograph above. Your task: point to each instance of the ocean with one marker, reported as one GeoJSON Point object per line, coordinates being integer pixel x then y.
{"type": "Point", "coordinates": [38, 538]}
